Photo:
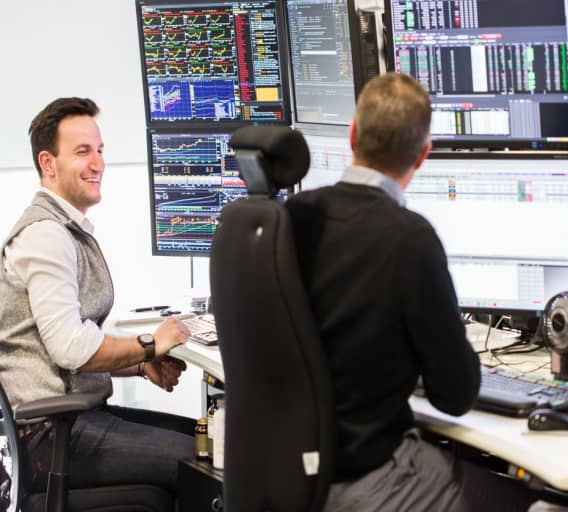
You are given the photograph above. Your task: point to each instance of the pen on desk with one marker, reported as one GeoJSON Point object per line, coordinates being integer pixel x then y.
{"type": "Point", "coordinates": [149, 308]}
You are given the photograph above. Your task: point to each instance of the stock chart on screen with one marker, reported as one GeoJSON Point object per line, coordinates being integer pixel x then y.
{"type": "Point", "coordinates": [214, 61]}
{"type": "Point", "coordinates": [193, 175]}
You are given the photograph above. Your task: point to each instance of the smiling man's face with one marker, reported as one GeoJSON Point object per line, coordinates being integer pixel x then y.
{"type": "Point", "coordinates": [75, 174]}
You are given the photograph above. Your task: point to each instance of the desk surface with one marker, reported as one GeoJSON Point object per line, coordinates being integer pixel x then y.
{"type": "Point", "coordinates": [208, 358]}
{"type": "Point", "coordinates": [544, 454]}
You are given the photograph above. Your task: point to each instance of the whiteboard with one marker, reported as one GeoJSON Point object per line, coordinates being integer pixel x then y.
{"type": "Point", "coordinates": [55, 48]}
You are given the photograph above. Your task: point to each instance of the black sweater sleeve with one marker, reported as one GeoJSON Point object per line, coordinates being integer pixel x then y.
{"type": "Point", "coordinates": [449, 366]}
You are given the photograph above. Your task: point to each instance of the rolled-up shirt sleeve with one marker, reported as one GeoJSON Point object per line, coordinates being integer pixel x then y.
{"type": "Point", "coordinates": [43, 259]}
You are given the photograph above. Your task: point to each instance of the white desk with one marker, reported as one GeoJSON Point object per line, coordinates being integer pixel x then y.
{"type": "Point", "coordinates": [543, 454]}
{"type": "Point", "coordinates": [207, 358]}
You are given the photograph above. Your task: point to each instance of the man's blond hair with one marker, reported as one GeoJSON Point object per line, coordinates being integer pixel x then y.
{"type": "Point", "coordinates": [392, 121]}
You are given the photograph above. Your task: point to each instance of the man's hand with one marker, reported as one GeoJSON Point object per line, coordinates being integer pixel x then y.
{"type": "Point", "coordinates": [170, 333]}
{"type": "Point", "coordinates": [165, 371]}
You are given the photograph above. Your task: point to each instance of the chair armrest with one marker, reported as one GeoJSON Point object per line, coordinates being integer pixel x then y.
{"type": "Point", "coordinates": [73, 402]}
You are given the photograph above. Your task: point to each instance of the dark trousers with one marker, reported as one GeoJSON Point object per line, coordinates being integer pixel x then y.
{"type": "Point", "coordinates": [112, 446]}
{"type": "Point", "coordinates": [423, 478]}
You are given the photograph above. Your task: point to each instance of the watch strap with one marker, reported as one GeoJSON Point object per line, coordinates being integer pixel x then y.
{"type": "Point", "coordinates": [148, 346]}
{"type": "Point", "coordinates": [149, 352]}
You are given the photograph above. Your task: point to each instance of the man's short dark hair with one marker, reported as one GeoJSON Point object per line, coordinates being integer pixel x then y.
{"type": "Point", "coordinates": [43, 130]}
{"type": "Point", "coordinates": [392, 119]}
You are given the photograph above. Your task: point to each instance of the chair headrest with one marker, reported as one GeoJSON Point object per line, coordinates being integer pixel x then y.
{"type": "Point", "coordinates": [284, 150]}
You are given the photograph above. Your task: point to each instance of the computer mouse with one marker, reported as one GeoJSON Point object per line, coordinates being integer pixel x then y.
{"type": "Point", "coordinates": [548, 419]}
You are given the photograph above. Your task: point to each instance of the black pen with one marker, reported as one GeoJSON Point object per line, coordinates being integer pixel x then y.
{"type": "Point", "coordinates": [150, 308]}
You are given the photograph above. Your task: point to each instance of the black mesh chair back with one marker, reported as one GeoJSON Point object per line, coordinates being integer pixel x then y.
{"type": "Point", "coordinates": [280, 414]}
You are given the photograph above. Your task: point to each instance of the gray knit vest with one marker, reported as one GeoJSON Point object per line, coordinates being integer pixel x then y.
{"type": "Point", "coordinates": [26, 369]}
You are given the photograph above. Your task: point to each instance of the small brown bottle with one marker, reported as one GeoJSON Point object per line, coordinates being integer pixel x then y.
{"type": "Point", "coordinates": [201, 451]}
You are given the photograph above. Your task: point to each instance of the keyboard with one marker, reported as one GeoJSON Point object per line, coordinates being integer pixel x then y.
{"type": "Point", "coordinates": [516, 394]}
{"type": "Point", "coordinates": [202, 329]}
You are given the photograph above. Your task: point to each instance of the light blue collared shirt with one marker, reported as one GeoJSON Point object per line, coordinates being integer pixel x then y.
{"type": "Point", "coordinates": [358, 175]}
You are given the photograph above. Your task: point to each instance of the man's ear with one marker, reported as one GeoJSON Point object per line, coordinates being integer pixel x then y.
{"type": "Point", "coordinates": [46, 163]}
{"type": "Point", "coordinates": [423, 155]}
{"type": "Point", "coordinates": [352, 134]}
{"type": "Point", "coordinates": [404, 180]}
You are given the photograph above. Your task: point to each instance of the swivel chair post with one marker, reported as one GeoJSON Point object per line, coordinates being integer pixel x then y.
{"type": "Point", "coordinates": [56, 500]}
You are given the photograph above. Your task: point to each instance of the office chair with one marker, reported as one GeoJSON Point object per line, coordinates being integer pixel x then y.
{"type": "Point", "coordinates": [280, 410]}
{"type": "Point", "coordinates": [62, 411]}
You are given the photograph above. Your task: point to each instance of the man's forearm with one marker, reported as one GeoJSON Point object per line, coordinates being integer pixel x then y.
{"type": "Point", "coordinates": [116, 355]}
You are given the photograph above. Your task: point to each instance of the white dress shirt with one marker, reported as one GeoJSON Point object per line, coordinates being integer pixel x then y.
{"type": "Point", "coordinates": [42, 259]}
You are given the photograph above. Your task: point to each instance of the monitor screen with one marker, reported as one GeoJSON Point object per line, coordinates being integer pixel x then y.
{"type": "Point", "coordinates": [321, 61]}
{"type": "Point", "coordinates": [192, 176]}
{"type": "Point", "coordinates": [329, 156]}
{"type": "Point", "coordinates": [214, 61]}
{"type": "Point", "coordinates": [503, 226]}
{"type": "Point", "coordinates": [496, 70]}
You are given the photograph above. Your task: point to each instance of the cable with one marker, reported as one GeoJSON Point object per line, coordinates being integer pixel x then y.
{"type": "Point", "coordinates": [488, 335]}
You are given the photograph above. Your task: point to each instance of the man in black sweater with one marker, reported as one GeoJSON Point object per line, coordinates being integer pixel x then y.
{"type": "Point", "coordinates": [377, 277]}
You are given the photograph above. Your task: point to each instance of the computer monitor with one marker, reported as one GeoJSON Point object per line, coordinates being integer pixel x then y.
{"type": "Point", "coordinates": [496, 70]}
{"type": "Point", "coordinates": [504, 226]}
{"type": "Point", "coordinates": [331, 58]}
{"type": "Point", "coordinates": [192, 176]}
{"type": "Point", "coordinates": [221, 61]}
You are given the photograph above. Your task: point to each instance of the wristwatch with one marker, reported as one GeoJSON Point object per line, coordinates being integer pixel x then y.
{"type": "Point", "coordinates": [148, 343]}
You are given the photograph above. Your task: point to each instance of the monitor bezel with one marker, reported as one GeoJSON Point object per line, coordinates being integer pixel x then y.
{"type": "Point", "coordinates": [501, 311]}
{"type": "Point", "coordinates": [322, 127]}
{"type": "Point", "coordinates": [523, 318]}
{"type": "Point", "coordinates": [221, 125]}
{"type": "Point", "coordinates": [481, 145]}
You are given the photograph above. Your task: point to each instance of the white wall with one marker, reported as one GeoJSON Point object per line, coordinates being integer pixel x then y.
{"type": "Point", "coordinates": [80, 48]}
{"type": "Point", "coordinates": [53, 48]}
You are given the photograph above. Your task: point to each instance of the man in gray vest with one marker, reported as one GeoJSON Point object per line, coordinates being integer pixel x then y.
{"type": "Point", "coordinates": [56, 293]}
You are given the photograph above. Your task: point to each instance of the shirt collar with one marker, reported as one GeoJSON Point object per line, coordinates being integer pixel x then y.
{"type": "Point", "coordinates": [359, 175]}
{"type": "Point", "coordinates": [70, 210]}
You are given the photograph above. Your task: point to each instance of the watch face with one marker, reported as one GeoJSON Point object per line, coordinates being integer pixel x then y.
{"type": "Point", "coordinates": [145, 339]}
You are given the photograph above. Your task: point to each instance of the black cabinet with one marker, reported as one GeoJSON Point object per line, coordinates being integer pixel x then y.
{"type": "Point", "coordinates": [200, 487]}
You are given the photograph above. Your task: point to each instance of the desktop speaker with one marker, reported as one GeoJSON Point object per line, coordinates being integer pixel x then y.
{"type": "Point", "coordinates": [555, 333]}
